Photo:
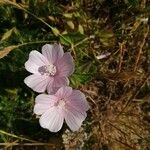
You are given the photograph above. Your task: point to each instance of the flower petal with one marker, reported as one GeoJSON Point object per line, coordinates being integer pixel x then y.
{"type": "Point", "coordinates": [52, 119]}
{"type": "Point", "coordinates": [64, 92]}
{"type": "Point", "coordinates": [46, 99]}
{"type": "Point", "coordinates": [56, 84]}
{"type": "Point", "coordinates": [37, 82]}
{"type": "Point", "coordinates": [31, 67]}
{"type": "Point", "coordinates": [52, 52]}
{"type": "Point", "coordinates": [78, 100]}
{"type": "Point", "coordinates": [50, 88]}
{"type": "Point", "coordinates": [39, 109]}
{"type": "Point", "coordinates": [74, 118]}
{"type": "Point", "coordinates": [37, 58]}
{"type": "Point", "coordinates": [43, 103]}
{"type": "Point", "coordinates": [65, 65]}
{"type": "Point", "coordinates": [60, 82]}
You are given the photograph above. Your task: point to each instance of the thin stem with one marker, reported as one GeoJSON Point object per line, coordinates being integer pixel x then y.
{"type": "Point", "coordinates": [121, 49]}
{"type": "Point", "coordinates": [15, 136]}
{"type": "Point", "coordinates": [36, 42]}
{"type": "Point", "coordinates": [22, 8]}
{"type": "Point", "coordinates": [52, 28]}
{"type": "Point", "coordinates": [136, 91]}
{"type": "Point", "coordinates": [26, 144]}
{"type": "Point", "coordinates": [141, 45]}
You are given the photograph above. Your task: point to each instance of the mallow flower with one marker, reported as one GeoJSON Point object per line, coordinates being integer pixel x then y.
{"type": "Point", "coordinates": [50, 70]}
{"type": "Point", "coordinates": [65, 105]}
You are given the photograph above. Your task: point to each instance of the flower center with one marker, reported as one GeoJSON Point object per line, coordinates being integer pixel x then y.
{"type": "Point", "coordinates": [61, 103]}
{"type": "Point", "coordinates": [48, 70]}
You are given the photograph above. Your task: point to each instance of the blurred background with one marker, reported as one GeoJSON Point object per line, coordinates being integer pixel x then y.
{"type": "Point", "coordinates": [109, 40]}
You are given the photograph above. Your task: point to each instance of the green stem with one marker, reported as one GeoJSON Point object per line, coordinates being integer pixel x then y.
{"type": "Point", "coordinates": [20, 7]}
{"type": "Point", "coordinates": [52, 28]}
{"type": "Point", "coordinates": [15, 136]}
{"type": "Point", "coordinates": [37, 42]}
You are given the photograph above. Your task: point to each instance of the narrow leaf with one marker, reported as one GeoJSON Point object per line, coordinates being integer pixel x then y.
{"type": "Point", "coordinates": [70, 24]}
{"type": "Point", "coordinates": [7, 34]}
{"type": "Point", "coordinates": [80, 29]}
{"type": "Point", "coordinates": [68, 15]}
{"type": "Point", "coordinates": [4, 52]}
{"type": "Point", "coordinates": [55, 31]}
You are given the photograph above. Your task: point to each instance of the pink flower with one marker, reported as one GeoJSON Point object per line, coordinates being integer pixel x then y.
{"type": "Point", "coordinates": [50, 69]}
{"type": "Point", "coordinates": [67, 104]}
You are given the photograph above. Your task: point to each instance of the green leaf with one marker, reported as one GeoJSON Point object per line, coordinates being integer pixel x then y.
{"type": "Point", "coordinates": [133, 2]}
{"type": "Point", "coordinates": [7, 34]}
{"type": "Point", "coordinates": [68, 15]}
{"type": "Point", "coordinates": [66, 40]}
{"type": "Point", "coordinates": [87, 67]}
{"type": "Point", "coordinates": [84, 73]}
{"type": "Point", "coordinates": [78, 79]}
{"type": "Point", "coordinates": [80, 29]}
{"type": "Point", "coordinates": [70, 24]}
{"type": "Point", "coordinates": [73, 38]}
{"type": "Point", "coordinates": [55, 31]}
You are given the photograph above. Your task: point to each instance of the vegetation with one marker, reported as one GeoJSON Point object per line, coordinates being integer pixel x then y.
{"type": "Point", "coordinates": [116, 87]}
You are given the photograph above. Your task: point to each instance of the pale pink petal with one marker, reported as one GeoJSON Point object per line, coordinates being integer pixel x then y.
{"type": "Point", "coordinates": [44, 102]}
{"type": "Point", "coordinates": [74, 118]}
{"type": "Point", "coordinates": [52, 52]}
{"type": "Point", "coordinates": [37, 82]}
{"type": "Point", "coordinates": [39, 109]}
{"type": "Point", "coordinates": [50, 88]}
{"type": "Point", "coordinates": [37, 58]}
{"type": "Point", "coordinates": [59, 82]}
{"type": "Point", "coordinates": [65, 65]}
{"type": "Point", "coordinates": [64, 92]}
{"type": "Point", "coordinates": [56, 84]}
{"type": "Point", "coordinates": [31, 67]}
{"type": "Point", "coordinates": [78, 100]}
{"type": "Point", "coordinates": [52, 119]}
{"type": "Point", "coordinates": [46, 99]}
